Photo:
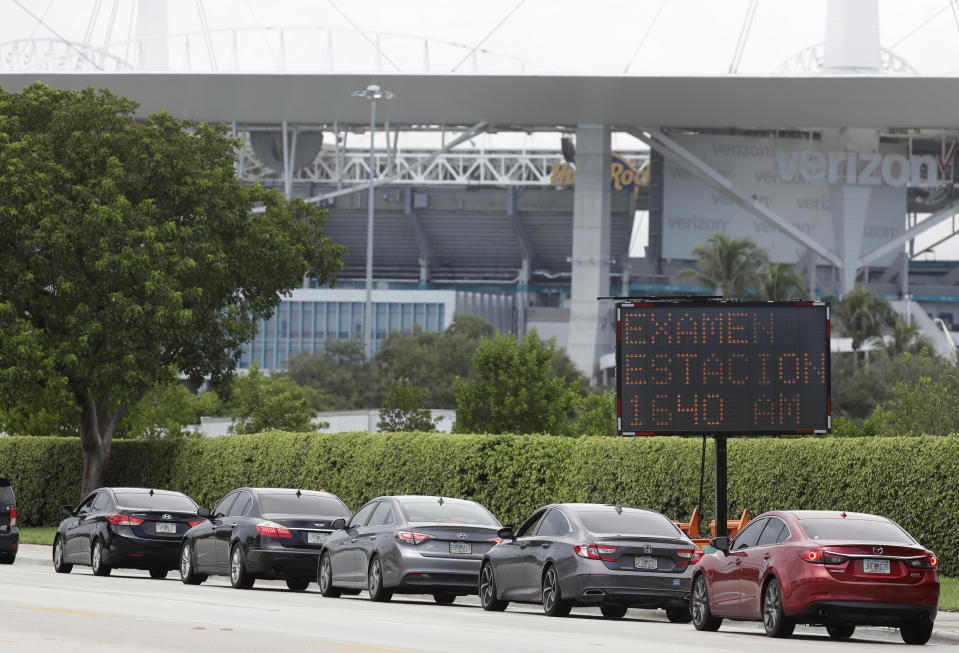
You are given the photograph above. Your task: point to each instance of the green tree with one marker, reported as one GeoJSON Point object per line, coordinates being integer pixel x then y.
{"type": "Point", "coordinates": [905, 339]}
{"type": "Point", "coordinates": [730, 265]}
{"type": "Point", "coordinates": [342, 372]}
{"type": "Point", "coordinates": [165, 410]}
{"type": "Point", "coordinates": [781, 281]}
{"type": "Point", "coordinates": [405, 409]}
{"type": "Point", "coordinates": [262, 403]}
{"type": "Point", "coordinates": [925, 406]}
{"type": "Point", "coordinates": [513, 390]}
{"type": "Point", "coordinates": [862, 315]}
{"type": "Point", "coordinates": [131, 253]}
{"type": "Point", "coordinates": [595, 414]}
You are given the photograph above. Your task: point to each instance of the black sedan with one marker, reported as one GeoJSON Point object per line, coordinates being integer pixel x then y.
{"type": "Point", "coordinates": [408, 544]}
{"type": "Point", "coordinates": [269, 533]}
{"type": "Point", "coordinates": [136, 528]}
{"type": "Point", "coordinates": [9, 533]}
{"type": "Point", "coordinates": [610, 556]}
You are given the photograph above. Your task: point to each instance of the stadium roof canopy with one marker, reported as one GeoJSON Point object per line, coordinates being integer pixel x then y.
{"type": "Point", "coordinates": [533, 101]}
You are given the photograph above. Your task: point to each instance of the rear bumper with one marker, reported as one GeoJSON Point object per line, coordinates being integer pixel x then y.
{"type": "Point", "coordinates": [283, 564]}
{"type": "Point", "coordinates": [406, 571]}
{"type": "Point", "coordinates": [142, 553]}
{"type": "Point", "coordinates": [865, 613]}
{"type": "Point", "coordinates": [9, 541]}
{"type": "Point", "coordinates": [628, 589]}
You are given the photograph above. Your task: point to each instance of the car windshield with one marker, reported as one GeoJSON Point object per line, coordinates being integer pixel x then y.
{"type": "Point", "coordinates": [628, 522]}
{"type": "Point", "coordinates": [866, 530]}
{"type": "Point", "coordinates": [453, 512]}
{"type": "Point", "coordinates": [305, 504]}
{"type": "Point", "coordinates": [156, 501]}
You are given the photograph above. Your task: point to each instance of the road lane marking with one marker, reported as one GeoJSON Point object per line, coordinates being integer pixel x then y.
{"type": "Point", "coordinates": [359, 647]}
{"type": "Point", "coordinates": [76, 613]}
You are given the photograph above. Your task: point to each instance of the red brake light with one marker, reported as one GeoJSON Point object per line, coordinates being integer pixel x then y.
{"type": "Point", "coordinates": [689, 556]}
{"type": "Point", "coordinates": [272, 529]}
{"type": "Point", "coordinates": [409, 537]}
{"type": "Point", "coordinates": [595, 551]}
{"type": "Point", "coordinates": [195, 523]}
{"type": "Point", "coordinates": [13, 517]}
{"type": "Point", "coordinates": [495, 540]}
{"type": "Point", "coordinates": [929, 561]}
{"type": "Point", "coordinates": [123, 520]}
{"type": "Point", "coordinates": [933, 561]}
{"type": "Point", "coordinates": [813, 555]}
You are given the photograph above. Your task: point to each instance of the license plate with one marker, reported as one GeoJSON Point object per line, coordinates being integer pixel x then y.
{"type": "Point", "coordinates": [166, 528]}
{"type": "Point", "coordinates": [316, 538]}
{"type": "Point", "coordinates": [874, 566]}
{"type": "Point", "coordinates": [645, 562]}
{"type": "Point", "coordinates": [461, 547]}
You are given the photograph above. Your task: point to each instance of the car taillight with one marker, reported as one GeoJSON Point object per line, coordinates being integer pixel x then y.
{"type": "Point", "coordinates": [821, 557]}
{"type": "Point", "coordinates": [123, 520]}
{"type": "Point", "coordinates": [495, 540]}
{"type": "Point", "coordinates": [409, 537]}
{"type": "Point", "coordinates": [688, 556]}
{"type": "Point", "coordinates": [272, 529]}
{"type": "Point", "coordinates": [13, 517]}
{"type": "Point", "coordinates": [928, 562]}
{"type": "Point", "coordinates": [195, 523]}
{"type": "Point", "coordinates": [595, 551]}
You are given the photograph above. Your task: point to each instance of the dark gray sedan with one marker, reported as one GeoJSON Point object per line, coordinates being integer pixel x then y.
{"type": "Point", "coordinates": [408, 544]}
{"type": "Point", "coordinates": [611, 556]}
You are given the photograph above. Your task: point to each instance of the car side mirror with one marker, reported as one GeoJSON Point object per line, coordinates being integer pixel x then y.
{"type": "Point", "coordinates": [338, 524]}
{"type": "Point", "coordinates": [506, 533]}
{"type": "Point", "coordinates": [720, 543]}
{"type": "Point", "coordinates": [67, 510]}
{"type": "Point", "coordinates": [204, 512]}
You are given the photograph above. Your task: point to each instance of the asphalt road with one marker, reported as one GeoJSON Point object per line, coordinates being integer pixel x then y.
{"type": "Point", "coordinates": [128, 611]}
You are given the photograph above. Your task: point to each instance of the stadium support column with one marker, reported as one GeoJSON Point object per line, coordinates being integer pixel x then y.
{"type": "Point", "coordinates": [152, 35]}
{"type": "Point", "coordinates": [590, 335]}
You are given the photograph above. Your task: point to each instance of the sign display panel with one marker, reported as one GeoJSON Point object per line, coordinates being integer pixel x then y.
{"type": "Point", "coordinates": [716, 367]}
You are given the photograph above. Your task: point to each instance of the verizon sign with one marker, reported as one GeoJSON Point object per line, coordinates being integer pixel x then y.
{"type": "Point", "coordinates": [860, 168]}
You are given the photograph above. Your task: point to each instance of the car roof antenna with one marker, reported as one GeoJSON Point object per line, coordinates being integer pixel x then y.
{"type": "Point", "coordinates": [298, 493]}
{"type": "Point", "coordinates": [619, 509]}
{"type": "Point", "coordinates": [151, 491]}
{"type": "Point", "coordinates": [441, 501]}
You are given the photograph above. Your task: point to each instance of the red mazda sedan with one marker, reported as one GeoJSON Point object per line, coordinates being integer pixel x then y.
{"type": "Point", "coordinates": [821, 568]}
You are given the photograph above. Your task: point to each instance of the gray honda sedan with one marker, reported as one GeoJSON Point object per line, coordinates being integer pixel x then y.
{"type": "Point", "coordinates": [408, 544]}
{"type": "Point", "coordinates": [611, 556]}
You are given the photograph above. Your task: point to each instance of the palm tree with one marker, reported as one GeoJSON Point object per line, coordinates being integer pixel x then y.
{"type": "Point", "coordinates": [781, 282]}
{"type": "Point", "coordinates": [862, 315]}
{"type": "Point", "coordinates": [731, 265]}
{"type": "Point", "coordinates": [906, 339]}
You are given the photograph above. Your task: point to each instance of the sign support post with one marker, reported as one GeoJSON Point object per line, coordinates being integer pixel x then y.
{"type": "Point", "coordinates": [722, 498]}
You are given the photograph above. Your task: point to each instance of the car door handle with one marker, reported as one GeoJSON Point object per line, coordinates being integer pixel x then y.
{"type": "Point", "coordinates": [353, 541]}
{"type": "Point", "coordinates": [545, 545]}
{"type": "Point", "coordinates": [767, 556]}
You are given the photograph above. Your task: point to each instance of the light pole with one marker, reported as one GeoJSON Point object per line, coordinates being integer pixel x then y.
{"type": "Point", "coordinates": [372, 93]}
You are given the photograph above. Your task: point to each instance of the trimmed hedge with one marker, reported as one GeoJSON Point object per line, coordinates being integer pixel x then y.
{"type": "Point", "coordinates": [913, 480]}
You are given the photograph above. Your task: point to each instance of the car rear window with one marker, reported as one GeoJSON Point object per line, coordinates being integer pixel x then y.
{"type": "Point", "coordinates": [866, 530]}
{"type": "Point", "coordinates": [453, 512]}
{"type": "Point", "coordinates": [305, 504]}
{"type": "Point", "coordinates": [628, 522]}
{"type": "Point", "coordinates": [157, 501]}
{"type": "Point", "coordinates": [6, 495]}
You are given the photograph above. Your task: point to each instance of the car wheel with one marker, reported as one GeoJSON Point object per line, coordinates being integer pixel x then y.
{"type": "Point", "coordinates": [487, 590]}
{"type": "Point", "coordinates": [841, 631]}
{"type": "Point", "coordinates": [444, 598]}
{"type": "Point", "coordinates": [96, 560]}
{"type": "Point", "coordinates": [774, 620]}
{"type": "Point", "coordinates": [240, 578]}
{"type": "Point", "coordinates": [613, 611]}
{"type": "Point", "coordinates": [374, 580]}
{"type": "Point", "coordinates": [159, 573]}
{"type": "Point", "coordinates": [59, 565]}
{"type": "Point", "coordinates": [298, 585]}
{"type": "Point", "coordinates": [325, 578]}
{"type": "Point", "coordinates": [699, 607]}
{"type": "Point", "coordinates": [679, 615]}
{"type": "Point", "coordinates": [187, 571]}
{"type": "Point", "coordinates": [916, 632]}
{"type": "Point", "coordinates": [553, 603]}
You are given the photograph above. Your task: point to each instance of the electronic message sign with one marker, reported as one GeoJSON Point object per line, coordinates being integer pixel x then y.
{"type": "Point", "coordinates": [722, 367]}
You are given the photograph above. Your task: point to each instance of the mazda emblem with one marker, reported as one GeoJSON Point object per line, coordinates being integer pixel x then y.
{"type": "Point", "coordinates": [877, 550]}
{"type": "Point", "coordinates": [167, 515]}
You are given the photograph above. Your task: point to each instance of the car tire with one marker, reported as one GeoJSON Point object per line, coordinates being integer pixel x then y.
{"type": "Point", "coordinates": [553, 603]}
{"type": "Point", "coordinates": [96, 560]}
{"type": "Point", "coordinates": [613, 611]}
{"type": "Point", "coordinates": [324, 577]}
{"type": "Point", "coordinates": [297, 585]}
{"type": "Point", "coordinates": [188, 568]}
{"type": "Point", "coordinates": [240, 578]}
{"type": "Point", "coordinates": [916, 632]}
{"type": "Point", "coordinates": [444, 598]}
{"type": "Point", "coordinates": [374, 582]}
{"type": "Point", "coordinates": [59, 565]}
{"type": "Point", "coordinates": [487, 590]}
{"type": "Point", "coordinates": [159, 573]}
{"type": "Point", "coordinates": [774, 619]}
{"type": "Point", "coordinates": [703, 618]}
{"type": "Point", "coordinates": [841, 631]}
{"type": "Point", "coordinates": [679, 615]}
